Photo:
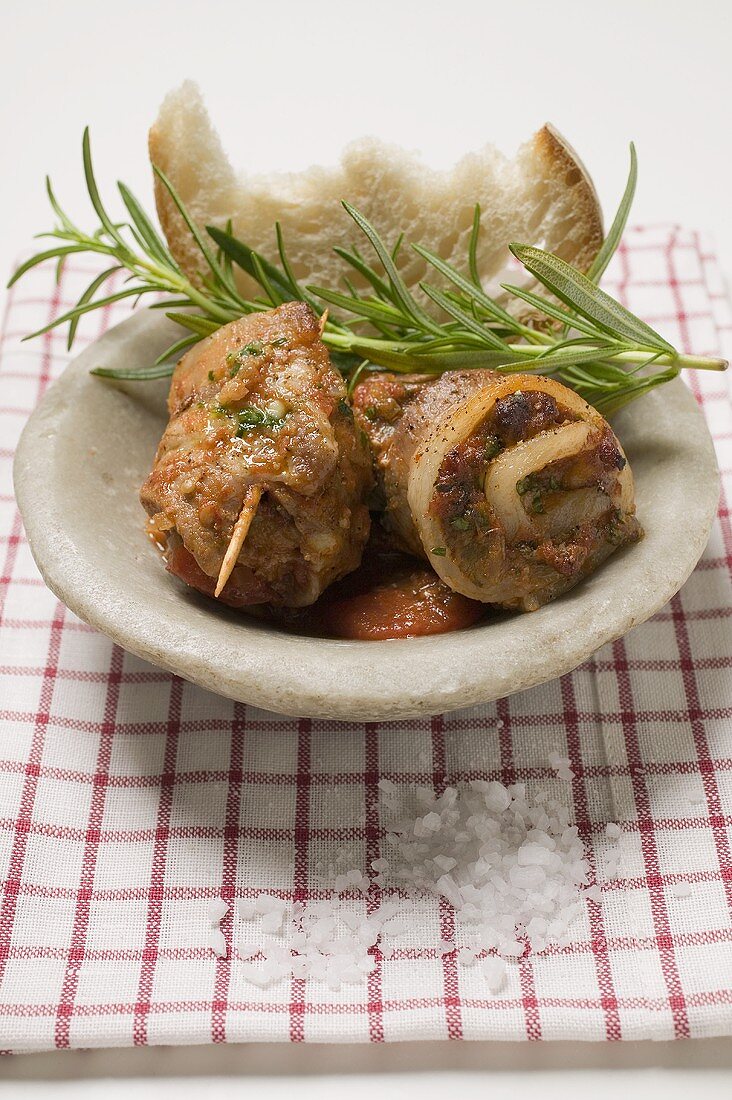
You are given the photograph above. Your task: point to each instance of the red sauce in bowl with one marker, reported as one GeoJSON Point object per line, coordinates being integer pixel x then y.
{"type": "Point", "coordinates": [392, 596]}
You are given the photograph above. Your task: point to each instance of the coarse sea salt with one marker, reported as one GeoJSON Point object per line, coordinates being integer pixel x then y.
{"type": "Point", "coordinates": [561, 766]}
{"type": "Point", "coordinates": [268, 903]}
{"type": "Point", "coordinates": [494, 972]}
{"type": "Point", "coordinates": [515, 859]}
{"type": "Point", "coordinates": [217, 942]}
{"type": "Point", "coordinates": [512, 867]}
{"type": "Point", "coordinates": [217, 910]}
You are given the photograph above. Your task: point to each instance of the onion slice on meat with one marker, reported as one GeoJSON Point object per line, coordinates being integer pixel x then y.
{"type": "Point", "coordinates": [513, 487]}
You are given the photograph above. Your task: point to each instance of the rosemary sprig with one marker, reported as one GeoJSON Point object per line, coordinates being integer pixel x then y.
{"type": "Point", "coordinates": [613, 358]}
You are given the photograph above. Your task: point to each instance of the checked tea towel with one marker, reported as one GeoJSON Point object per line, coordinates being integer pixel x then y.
{"type": "Point", "coordinates": [130, 799]}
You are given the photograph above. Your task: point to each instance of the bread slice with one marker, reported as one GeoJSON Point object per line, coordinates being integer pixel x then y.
{"type": "Point", "coordinates": [543, 196]}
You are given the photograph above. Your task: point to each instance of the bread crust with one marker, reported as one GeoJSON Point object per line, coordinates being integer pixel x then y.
{"type": "Point", "coordinates": [180, 241]}
{"type": "Point", "coordinates": [563, 159]}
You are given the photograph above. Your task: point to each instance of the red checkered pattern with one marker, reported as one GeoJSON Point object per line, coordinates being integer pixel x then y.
{"type": "Point", "coordinates": [129, 799]}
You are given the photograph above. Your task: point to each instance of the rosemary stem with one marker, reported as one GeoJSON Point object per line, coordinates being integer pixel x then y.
{"type": "Point", "coordinates": [346, 342]}
{"type": "Point", "coordinates": [205, 303]}
{"type": "Point", "coordinates": [701, 362]}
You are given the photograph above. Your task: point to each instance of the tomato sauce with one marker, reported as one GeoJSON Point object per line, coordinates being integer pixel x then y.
{"type": "Point", "coordinates": [243, 590]}
{"type": "Point", "coordinates": [391, 595]}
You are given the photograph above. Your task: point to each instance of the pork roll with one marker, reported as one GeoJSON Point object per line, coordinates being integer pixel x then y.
{"type": "Point", "coordinates": [512, 486]}
{"type": "Point", "coordinates": [259, 483]}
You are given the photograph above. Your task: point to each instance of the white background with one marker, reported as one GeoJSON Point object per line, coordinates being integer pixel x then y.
{"type": "Point", "coordinates": [289, 83]}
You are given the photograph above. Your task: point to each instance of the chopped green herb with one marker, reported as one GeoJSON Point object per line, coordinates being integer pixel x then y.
{"type": "Point", "coordinates": [278, 342]}
{"type": "Point", "coordinates": [210, 376]}
{"type": "Point", "coordinates": [345, 409]}
{"type": "Point", "coordinates": [235, 359]}
{"type": "Point", "coordinates": [535, 483]}
{"type": "Point", "coordinates": [537, 504]}
{"type": "Point", "coordinates": [493, 446]}
{"type": "Point", "coordinates": [253, 348]}
{"type": "Point", "coordinates": [371, 412]}
{"type": "Point", "coordinates": [438, 551]}
{"type": "Point", "coordinates": [461, 523]}
{"type": "Point", "coordinates": [251, 417]}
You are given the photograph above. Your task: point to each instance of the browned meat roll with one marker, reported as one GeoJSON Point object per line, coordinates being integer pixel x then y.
{"type": "Point", "coordinates": [512, 486]}
{"type": "Point", "coordinates": [259, 483]}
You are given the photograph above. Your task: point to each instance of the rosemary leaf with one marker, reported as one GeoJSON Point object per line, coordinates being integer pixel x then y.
{"type": "Point", "coordinates": [109, 227]}
{"type": "Point", "coordinates": [200, 325]}
{"type": "Point", "coordinates": [555, 360]}
{"type": "Point", "coordinates": [411, 308]}
{"type": "Point", "coordinates": [463, 318]}
{"type": "Point", "coordinates": [87, 296]}
{"type": "Point", "coordinates": [216, 269]}
{"type": "Point", "coordinates": [357, 261]}
{"type": "Point", "coordinates": [369, 308]}
{"type": "Point", "coordinates": [241, 254]}
{"type": "Point", "coordinates": [175, 350]}
{"type": "Point", "coordinates": [297, 291]}
{"type": "Point", "coordinates": [134, 374]}
{"type": "Point", "coordinates": [41, 257]}
{"type": "Point", "coordinates": [276, 296]}
{"type": "Point", "coordinates": [475, 294]}
{"type": "Point", "coordinates": [577, 291]}
{"type": "Point", "coordinates": [149, 237]}
{"type": "Point", "coordinates": [551, 309]}
{"type": "Point", "coordinates": [77, 311]}
{"type": "Point", "coordinates": [612, 240]}
{"type": "Point", "coordinates": [473, 247]}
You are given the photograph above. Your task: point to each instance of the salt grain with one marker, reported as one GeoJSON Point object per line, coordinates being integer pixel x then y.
{"type": "Point", "coordinates": [268, 903]}
{"type": "Point", "coordinates": [271, 922]}
{"type": "Point", "coordinates": [612, 831]}
{"type": "Point", "coordinates": [681, 889]}
{"type": "Point", "coordinates": [217, 910]}
{"type": "Point", "coordinates": [494, 972]}
{"type": "Point", "coordinates": [561, 766]}
{"type": "Point", "coordinates": [217, 942]}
